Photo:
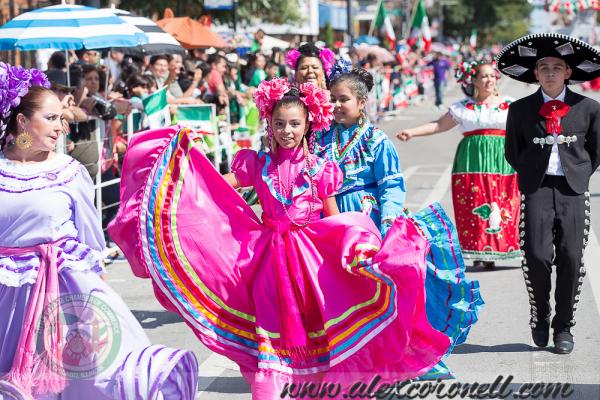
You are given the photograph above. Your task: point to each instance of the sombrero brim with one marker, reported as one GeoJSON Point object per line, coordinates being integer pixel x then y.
{"type": "Point", "coordinates": [518, 59]}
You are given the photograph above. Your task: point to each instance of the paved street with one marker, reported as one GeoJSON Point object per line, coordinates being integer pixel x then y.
{"type": "Point", "coordinates": [499, 344]}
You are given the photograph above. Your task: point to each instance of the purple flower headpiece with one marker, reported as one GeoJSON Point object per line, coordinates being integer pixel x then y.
{"type": "Point", "coordinates": [14, 84]}
{"type": "Point", "coordinates": [326, 56]}
{"type": "Point", "coordinates": [341, 67]}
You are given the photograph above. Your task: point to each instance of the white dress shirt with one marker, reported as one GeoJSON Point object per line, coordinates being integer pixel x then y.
{"type": "Point", "coordinates": [554, 165]}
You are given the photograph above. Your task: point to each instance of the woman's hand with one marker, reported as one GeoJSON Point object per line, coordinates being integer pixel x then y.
{"type": "Point", "coordinates": [68, 101]}
{"type": "Point", "coordinates": [404, 135]}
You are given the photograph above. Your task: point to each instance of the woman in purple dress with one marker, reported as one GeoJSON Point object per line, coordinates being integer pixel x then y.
{"type": "Point", "coordinates": [64, 333]}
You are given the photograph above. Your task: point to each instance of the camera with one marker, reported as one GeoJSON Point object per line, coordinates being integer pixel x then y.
{"type": "Point", "coordinates": [121, 87]}
{"type": "Point", "coordinates": [103, 108]}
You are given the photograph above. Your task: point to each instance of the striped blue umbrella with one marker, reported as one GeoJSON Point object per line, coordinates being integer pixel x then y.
{"type": "Point", "coordinates": [69, 27]}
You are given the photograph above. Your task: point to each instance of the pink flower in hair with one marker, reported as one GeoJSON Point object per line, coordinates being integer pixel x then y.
{"type": "Point", "coordinates": [292, 58]}
{"type": "Point", "coordinates": [320, 109]}
{"type": "Point", "coordinates": [269, 93]}
{"type": "Point", "coordinates": [326, 56]}
{"type": "Point", "coordinates": [328, 59]}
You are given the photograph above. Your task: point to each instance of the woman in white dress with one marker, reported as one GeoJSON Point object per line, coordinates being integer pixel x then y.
{"type": "Point", "coordinates": [484, 186]}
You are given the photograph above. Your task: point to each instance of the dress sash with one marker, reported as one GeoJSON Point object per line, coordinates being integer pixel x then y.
{"type": "Point", "coordinates": [43, 371]}
{"type": "Point", "coordinates": [485, 132]}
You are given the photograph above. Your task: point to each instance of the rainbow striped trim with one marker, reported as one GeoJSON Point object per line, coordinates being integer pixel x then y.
{"type": "Point", "coordinates": [216, 323]}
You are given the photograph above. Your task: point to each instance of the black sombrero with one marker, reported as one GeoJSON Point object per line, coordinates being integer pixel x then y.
{"type": "Point", "coordinates": [518, 59]}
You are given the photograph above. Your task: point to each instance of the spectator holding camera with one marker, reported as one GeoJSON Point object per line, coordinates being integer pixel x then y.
{"type": "Point", "coordinates": [93, 99]}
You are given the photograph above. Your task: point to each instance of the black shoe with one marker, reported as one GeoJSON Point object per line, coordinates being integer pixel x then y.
{"type": "Point", "coordinates": [540, 337]}
{"type": "Point", "coordinates": [540, 333]}
{"type": "Point", "coordinates": [563, 342]}
{"type": "Point", "coordinates": [478, 264]}
{"type": "Point", "coordinates": [489, 265]}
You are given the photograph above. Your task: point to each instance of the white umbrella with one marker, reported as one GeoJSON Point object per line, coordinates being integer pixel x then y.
{"type": "Point", "coordinates": [69, 27]}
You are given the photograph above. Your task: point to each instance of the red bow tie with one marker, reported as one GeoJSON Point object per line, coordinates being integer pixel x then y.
{"type": "Point", "coordinates": [552, 111]}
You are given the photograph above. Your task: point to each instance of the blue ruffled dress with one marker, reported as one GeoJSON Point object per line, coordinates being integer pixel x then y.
{"type": "Point", "coordinates": [374, 184]}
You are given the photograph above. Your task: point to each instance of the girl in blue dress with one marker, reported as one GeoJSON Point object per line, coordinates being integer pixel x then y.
{"type": "Point", "coordinates": [374, 184]}
{"type": "Point", "coordinates": [373, 180]}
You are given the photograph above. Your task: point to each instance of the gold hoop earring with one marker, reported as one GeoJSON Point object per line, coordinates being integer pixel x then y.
{"type": "Point", "coordinates": [23, 140]}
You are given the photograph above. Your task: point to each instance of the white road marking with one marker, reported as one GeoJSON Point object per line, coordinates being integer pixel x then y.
{"type": "Point", "coordinates": [408, 172]}
{"type": "Point", "coordinates": [441, 187]}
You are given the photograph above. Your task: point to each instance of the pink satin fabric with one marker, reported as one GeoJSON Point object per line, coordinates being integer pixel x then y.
{"type": "Point", "coordinates": [242, 261]}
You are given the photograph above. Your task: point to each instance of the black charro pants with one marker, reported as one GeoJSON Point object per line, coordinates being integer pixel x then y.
{"type": "Point", "coordinates": [554, 228]}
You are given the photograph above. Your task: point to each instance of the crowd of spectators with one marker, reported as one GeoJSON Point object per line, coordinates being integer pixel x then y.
{"type": "Point", "coordinates": [108, 85]}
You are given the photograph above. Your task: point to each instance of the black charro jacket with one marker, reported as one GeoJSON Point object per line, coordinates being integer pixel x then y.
{"type": "Point", "coordinates": [579, 160]}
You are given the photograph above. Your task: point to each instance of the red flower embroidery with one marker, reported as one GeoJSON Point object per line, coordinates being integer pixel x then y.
{"type": "Point", "coordinates": [503, 106]}
{"type": "Point", "coordinates": [470, 106]}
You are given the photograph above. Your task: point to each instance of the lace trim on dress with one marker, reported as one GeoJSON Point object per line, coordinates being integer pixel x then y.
{"type": "Point", "coordinates": [20, 178]}
{"type": "Point", "coordinates": [22, 269]}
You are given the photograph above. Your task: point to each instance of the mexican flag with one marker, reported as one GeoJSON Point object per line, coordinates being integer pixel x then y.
{"type": "Point", "coordinates": [157, 109]}
{"type": "Point", "coordinates": [201, 118]}
{"type": "Point", "coordinates": [384, 24]}
{"type": "Point", "coordinates": [419, 28]}
{"type": "Point", "coordinates": [473, 39]}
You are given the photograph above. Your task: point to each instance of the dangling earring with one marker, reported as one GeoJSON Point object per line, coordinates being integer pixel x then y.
{"type": "Point", "coordinates": [361, 118]}
{"type": "Point", "coordinates": [23, 140]}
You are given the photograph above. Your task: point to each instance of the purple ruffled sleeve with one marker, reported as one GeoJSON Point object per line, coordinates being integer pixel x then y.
{"type": "Point", "coordinates": [244, 167]}
{"type": "Point", "coordinates": [330, 181]}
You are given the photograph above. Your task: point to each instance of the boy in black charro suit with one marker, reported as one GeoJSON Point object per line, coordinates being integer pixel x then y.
{"type": "Point", "coordinates": [553, 142]}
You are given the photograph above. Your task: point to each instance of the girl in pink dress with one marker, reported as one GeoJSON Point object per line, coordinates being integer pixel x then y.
{"type": "Point", "coordinates": [291, 297]}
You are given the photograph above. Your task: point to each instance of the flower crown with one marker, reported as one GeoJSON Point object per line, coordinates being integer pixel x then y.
{"type": "Point", "coordinates": [326, 56]}
{"type": "Point", "coordinates": [320, 109]}
{"type": "Point", "coordinates": [341, 67]}
{"type": "Point", "coordinates": [466, 70]}
{"type": "Point", "coordinates": [14, 84]}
